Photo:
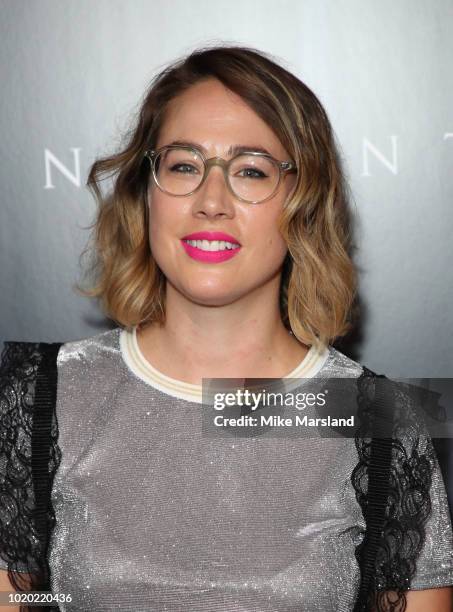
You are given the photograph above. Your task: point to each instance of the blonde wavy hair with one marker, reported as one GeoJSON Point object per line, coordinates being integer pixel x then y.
{"type": "Point", "coordinates": [318, 283]}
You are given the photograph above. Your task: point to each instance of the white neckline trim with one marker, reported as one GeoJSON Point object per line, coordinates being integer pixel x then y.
{"type": "Point", "coordinates": [312, 363]}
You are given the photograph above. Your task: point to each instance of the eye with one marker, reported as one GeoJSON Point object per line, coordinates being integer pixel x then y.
{"type": "Point", "coordinates": [251, 173]}
{"type": "Point", "coordinates": [184, 168]}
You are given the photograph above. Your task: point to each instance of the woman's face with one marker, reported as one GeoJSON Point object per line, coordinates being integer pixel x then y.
{"type": "Point", "coordinates": [214, 118]}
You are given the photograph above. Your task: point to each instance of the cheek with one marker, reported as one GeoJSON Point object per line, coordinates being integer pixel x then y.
{"type": "Point", "coordinates": [162, 216]}
{"type": "Point", "coordinates": [273, 242]}
{"type": "Point", "coordinates": [276, 246]}
{"type": "Point", "coordinates": [159, 225]}
{"type": "Point", "coordinates": [154, 224]}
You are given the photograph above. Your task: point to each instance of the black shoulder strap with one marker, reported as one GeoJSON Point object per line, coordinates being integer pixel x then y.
{"type": "Point", "coordinates": [43, 415]}
{"type": "Point", "coordinates": [378, 488]}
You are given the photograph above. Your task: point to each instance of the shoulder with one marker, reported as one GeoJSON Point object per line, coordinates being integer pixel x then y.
{"type": "Point", "coordinates": [19, 364]}
{"type": "Point", "coordinates": [18, 354]}
{"type": "Point", "coordinates": [20, 360]}
{"type": "Point", "coordinates": [89, 354]}
{"type": "Point", "coordinates": [339, 365]}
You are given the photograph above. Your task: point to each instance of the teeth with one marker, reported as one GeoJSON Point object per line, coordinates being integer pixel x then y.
{"type": "Point", "coordinates": [212, 245]}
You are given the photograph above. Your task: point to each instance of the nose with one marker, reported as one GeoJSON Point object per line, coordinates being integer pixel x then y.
{"type": "Point", "coordinates": [214, 199]}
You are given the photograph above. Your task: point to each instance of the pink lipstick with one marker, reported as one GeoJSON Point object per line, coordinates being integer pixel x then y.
{"type": "Point", "coordinates": [211, 256]}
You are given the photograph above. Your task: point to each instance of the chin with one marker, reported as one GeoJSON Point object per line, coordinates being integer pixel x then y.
{"type": "Point", "coordinates": [211, 299]}
{"type": "Point", "coordinates": [210, 296]}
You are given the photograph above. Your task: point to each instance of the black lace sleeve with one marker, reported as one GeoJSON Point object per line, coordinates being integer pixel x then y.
{"type": "Point", "coordinates": [24, 525]}
{"type": "Point", "coordinates": [406, 505]}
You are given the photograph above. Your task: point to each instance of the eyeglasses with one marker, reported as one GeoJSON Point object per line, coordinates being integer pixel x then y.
{"type": "Point", "coordinates": [250, 176]}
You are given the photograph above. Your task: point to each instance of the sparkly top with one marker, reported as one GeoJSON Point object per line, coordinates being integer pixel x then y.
{"type": "Point", "coordinates": [153, 516]}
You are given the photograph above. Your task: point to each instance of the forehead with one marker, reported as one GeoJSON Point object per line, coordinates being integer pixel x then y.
{"type": "Point", "coordinates": [215, 117]}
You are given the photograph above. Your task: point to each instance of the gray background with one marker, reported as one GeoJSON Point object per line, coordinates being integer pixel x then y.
{"type": "Point", "coordinates": [72, 77]}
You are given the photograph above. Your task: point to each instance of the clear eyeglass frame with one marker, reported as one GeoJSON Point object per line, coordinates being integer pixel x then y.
{"type": "Point", "coordinates": [208, 163]}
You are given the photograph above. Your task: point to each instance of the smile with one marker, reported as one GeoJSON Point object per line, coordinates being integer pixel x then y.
{"type": "Point", "coordinates": [213, 251]}
{"type": "Point", "coordinates": [212, 245]}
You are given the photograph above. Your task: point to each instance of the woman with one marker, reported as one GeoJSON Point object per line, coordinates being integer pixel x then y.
{"type": "Point", "coordinates": [222, 252]}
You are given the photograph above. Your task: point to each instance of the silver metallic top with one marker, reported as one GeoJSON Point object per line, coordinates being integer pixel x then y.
{"type": "Point", "coordinates": [152, 515]}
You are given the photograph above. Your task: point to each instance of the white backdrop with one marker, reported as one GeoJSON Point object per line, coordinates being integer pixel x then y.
{"type": "Point", "coordinates": [72, 76]}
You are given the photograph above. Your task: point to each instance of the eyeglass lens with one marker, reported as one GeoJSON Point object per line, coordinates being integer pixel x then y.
{"type": "Point", "coordinates": [180, 171]}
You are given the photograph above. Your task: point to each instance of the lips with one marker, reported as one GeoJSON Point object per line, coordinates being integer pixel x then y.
{"type": "Point", "coordinates": [210, 256]}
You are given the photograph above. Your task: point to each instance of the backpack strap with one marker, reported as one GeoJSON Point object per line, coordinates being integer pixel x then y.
{"type": "Point", "coordinates": [44, 458]}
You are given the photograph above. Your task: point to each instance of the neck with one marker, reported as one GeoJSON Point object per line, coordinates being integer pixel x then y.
{"type": "Point", "coordinates": [246, 338]}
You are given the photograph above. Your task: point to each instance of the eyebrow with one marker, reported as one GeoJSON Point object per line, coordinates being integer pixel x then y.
{"type": "Point", "coordinates": [232, 151]}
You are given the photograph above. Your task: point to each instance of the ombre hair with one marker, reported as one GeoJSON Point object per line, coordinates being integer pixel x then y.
{"type": "Point", "coordinates": [319, 279]}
